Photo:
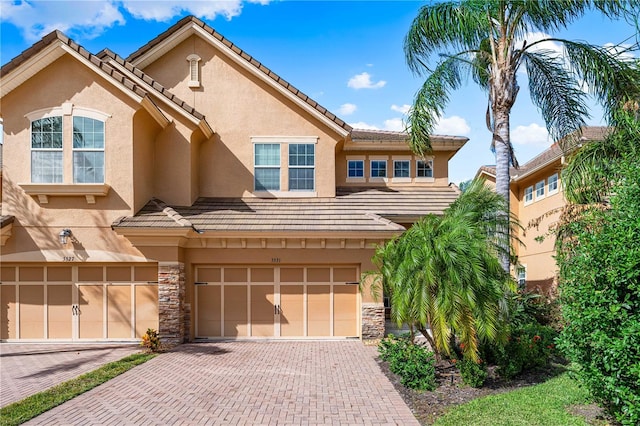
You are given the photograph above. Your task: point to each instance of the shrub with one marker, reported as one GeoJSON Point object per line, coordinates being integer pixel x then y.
{"type": "Point", "coordinates": [413, 363]}
{"type": "Point", "coordinates": [529, 346]}
{"type": "Point", "coordinates": [151, 340]}
{"type": "Point", "coordinates": [473, 373]}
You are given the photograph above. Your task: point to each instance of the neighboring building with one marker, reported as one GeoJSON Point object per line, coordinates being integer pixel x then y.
{"type": "Point", "coordinates": [191, 189]}
{"type": "Point", "coordinates": [537, 200]}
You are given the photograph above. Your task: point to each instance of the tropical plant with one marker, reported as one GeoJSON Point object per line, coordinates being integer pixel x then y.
{"type": "Point", "coordinates": [492, 41]}
{"type": "Point", "coordinates": [443, 274]}
{"type": "Point", "coordinates": [413, 363]}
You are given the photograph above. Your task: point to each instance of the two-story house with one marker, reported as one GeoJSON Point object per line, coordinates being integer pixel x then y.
{"type": "Point", "coordinates": [537, 201]}
{"type": "Point", "coordinates": [189, 188]}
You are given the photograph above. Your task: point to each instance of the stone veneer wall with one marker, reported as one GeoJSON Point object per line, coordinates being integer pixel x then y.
{"type": "Point", "coordinates": [373, 321]}
{"type": "Point", "coordinates": [171, 312]}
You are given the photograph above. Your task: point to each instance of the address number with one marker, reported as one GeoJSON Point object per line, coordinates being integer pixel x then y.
{"type": "Point", "coordinates": [68, 258]}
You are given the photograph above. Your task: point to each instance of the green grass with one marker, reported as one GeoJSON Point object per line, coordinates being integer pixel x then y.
{"type": "Point", "coordinates": [30, 407]}
{"type": "Point", "coordinates": [544, 404]}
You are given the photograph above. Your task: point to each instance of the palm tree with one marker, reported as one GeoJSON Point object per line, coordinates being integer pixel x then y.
{"type": "Point", "coordinates": [490, 41]}
{"type": "Point", "coordinates": [443, 275]}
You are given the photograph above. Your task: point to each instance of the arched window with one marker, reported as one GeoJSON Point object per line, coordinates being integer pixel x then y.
{"type": "Point", "coordinates": [194, 71]}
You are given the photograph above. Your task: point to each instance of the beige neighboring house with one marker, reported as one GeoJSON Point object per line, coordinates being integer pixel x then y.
{"type": "Point", "coordinates": [537, 200]}
{"type": "Point", "coordinates": [191, 189]}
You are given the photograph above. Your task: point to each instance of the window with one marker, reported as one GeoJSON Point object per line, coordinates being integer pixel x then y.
{"type": "Point", "coordinates": [540, 189]}
{"type": "Point", "coordinates": [355, 168]}
{"type": "Point", "coordinates": [88, 150]}
{"type": "Point", "coordinates": [401, 169]}
{"type": "Point", "coordinates": [522, 275]}
{"type": "Point", "coordinates": [301, 167]}
{"type": "Point", "coordinates": [194, 71]}
{"type": "Point", "coordinates": [528, 194]}
{"type": "Point", "coordinates": [378, 168]}
{"type": "Point", "coordinates": [424, 168]}
{"type": "Point", "coordinates": [46, 150]}
{"type": "Point", "coordinates": [267, 167]}
{"type": "Point", "coordinates": [552, 184]}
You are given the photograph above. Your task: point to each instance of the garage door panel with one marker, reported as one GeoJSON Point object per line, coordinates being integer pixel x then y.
{"type": "Point", "coordinates": [318, 275]}
{"type": "Point", "coordinates": [292, 275]}
{"type": "Point", "coordinates": [146, 308]}
{"type": "Point", "coordinates": [262, 311]}
{"type": "Point", "coordinates": [118, 311]}
{"type": "Point", "coordinates": [235, 311]}
{"type": "Point", "coordinates": [90, 301]}
{"type": "Point", "coordinates": [31, 311]}
{"type": "Point", "coordinates": [345, 304]}
{"type": "Point", "coordinates": [59, 318]}
{"type": "Point", "coordinates": [209, 310]}
{"type": "Point", "coordinates": [342, 275]}
{"type": "Point", "coordinates": [8, 311]}
{"type": "Point", "coordinates": [318, 310]}
{"type": "Point", "coordinates": [292, 310]}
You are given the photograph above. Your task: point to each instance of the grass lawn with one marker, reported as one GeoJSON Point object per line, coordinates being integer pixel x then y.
{"type": "Point", "coordinates": [30, 407]}
{"type": "Point", "coordinates": [543, 404]}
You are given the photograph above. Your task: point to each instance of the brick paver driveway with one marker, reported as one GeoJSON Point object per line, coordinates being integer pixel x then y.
{"type": "Point", "coordinates": [304, 382]}
{"type": "Point", "coordinates": [28, 368]}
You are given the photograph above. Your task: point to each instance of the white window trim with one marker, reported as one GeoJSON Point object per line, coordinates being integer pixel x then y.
{"type": "Point", "coordinates": [379, 179]}
{"type": "Point", "coordinates": [290, 167]}
{"type": "Point", "coordinates": [524, 196]}
{"type": "Point", "coordinates": [255, 166]}
{"type": "Point", "coordinates": [554, 191]}
{"type": "Point", "coordinates": [94, 115]}
{"type": "Point", "coordinates": [67, 108]}
{"type": "Point", "coordinates": [364, 168]}
{"type": "Point", "coordinates": [425, 178]}
{"type": "Point", "coordinates": [194, 68]}
{"type": "Point", "coordinates": [395, 179]}
{"type": "Point", "coordinates": [535, 190]}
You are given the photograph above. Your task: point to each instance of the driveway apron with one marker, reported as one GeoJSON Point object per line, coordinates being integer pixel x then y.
{"type": "Point", "coordinates": [257, 383]}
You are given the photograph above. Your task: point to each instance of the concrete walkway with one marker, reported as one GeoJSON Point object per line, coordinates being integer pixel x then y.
{"type": "Point", "coordinates": [29, 368]}
{"type": "Point", "coordinates": [257, 383]}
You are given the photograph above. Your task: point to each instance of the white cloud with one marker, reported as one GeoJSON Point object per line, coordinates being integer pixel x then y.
{"type": "Point", "coordinates": [533, 134]}
{"type": "Point", "coordinates": [347, 109]}
{"type": "Point", "coordinates": [395, 124]}
{"type": "Point", "coordinates": [453, 125]}
{"type": "Point", "coordinates": [404, 109]}
{"type": "Point", "coordinates": [90, 18]}
{"type": "Point", "coordinates": [363, 81]}
{"type": "Point", "coordinates": [623, 50]}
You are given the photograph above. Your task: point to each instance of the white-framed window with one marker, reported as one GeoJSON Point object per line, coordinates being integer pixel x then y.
{"type": "Point", "coordinates": [378, 168]}
{"type": "Point", "coordinates": [194, 70]}
{"type": "Point", "coordinates": [88, 150]}
{"type": "Point", "coordinates": [401, 168]}
{"type": "Point", "coordinates": [47, 150]}
{"type": "Point", "coordinates": [540, 190]}
{"type": "Point", "coordinates": [355, 168]}
{"type": "Point", "coordinates": [528, 194]}
{"type": "Point", "coordinates": [424, 168]}
{"type": "Point", "coordinates": [552, 184]}
{"type": "Point", "coordinates": [267, 166]}
{"type": "Point", "coordinates": [521, 272]}
{"type": "Point", "coordinates": [301, 167]}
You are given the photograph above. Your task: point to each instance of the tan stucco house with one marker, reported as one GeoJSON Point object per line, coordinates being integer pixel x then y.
{"type": "Point", "coordinates": [189, 188]}
{"type": "Point", "coordinates": [537, 201]}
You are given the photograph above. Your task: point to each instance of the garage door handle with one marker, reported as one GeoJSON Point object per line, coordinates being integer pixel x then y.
{"type": "Point", "coordinates": [276, 309]}
{"type": "Point", "coordinates": [75, 310]}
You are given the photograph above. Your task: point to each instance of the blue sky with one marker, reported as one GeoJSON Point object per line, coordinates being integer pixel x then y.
{"type": "Point", "coordinates": [348, 56]}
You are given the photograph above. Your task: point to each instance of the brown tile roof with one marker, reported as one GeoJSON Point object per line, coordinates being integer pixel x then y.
{"type": "Point", "coordinates": [352, 210]}
{"type": "Point", "coordinates": [6, 220]}
{"type": "Point", "coordinates": [251, 60]}
{"type": "Point", "coordinates": [361, 135]}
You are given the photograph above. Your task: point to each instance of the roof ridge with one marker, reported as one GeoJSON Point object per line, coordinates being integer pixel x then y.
{"type": "Point", "coordinates": [171, 213]}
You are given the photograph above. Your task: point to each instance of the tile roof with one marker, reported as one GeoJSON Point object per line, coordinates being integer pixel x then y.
{"type": "Point", "coordinates": [358, 135]}
{"type": "Point", "coordinates": [6, 220]}
{"type": "Point", "coordinates": [244, 55]}
{"type": "Point", "coordinates": [352, 210]}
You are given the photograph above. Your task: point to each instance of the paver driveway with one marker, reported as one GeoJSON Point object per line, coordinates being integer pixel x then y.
{"type": "Point", "coordinates": [28, 368]}
{"type": "Point", "coordinates": [304, 382]}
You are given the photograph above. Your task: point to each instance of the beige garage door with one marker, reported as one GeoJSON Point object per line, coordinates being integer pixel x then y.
{"type": "Point", "coordinates": [77, 303]}
{"type": "Point", "coordinates": [282, 301]}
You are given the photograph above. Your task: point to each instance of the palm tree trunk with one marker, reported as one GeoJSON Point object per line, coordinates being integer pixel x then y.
{"type": "Point", "coordinates": [432, 342]}
{"type": "Point", "coordinates": [501, 139]}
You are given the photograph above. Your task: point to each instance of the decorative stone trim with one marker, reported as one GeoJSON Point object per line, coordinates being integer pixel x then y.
{"type": "Point", "coordinates": [373, 322]}
{"type": "Point", "coordinates": [171, 310]}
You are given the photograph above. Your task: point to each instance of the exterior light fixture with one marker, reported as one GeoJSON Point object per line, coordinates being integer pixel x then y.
{"type": "Point", "coordinates": [64, 236]}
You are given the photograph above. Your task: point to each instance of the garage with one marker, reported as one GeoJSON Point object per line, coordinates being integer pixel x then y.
{"type": "Point", "coordinates": [276, 301]}
{"type": "Point", "coordinates": [76, 303]}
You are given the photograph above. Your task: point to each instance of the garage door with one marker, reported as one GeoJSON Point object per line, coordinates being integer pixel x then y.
{"type": "Point", "coordinates": [283, 301]}
{"type": "Point", "coordinates": [77, 303]}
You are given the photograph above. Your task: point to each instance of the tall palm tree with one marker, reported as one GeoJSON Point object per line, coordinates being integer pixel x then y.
{"type": "Point", "coordinates": [443, 275]}
{"type": "Point", "coordinates": [491, 41]}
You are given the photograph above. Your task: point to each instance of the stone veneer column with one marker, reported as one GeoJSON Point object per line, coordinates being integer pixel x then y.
{"type": "Point", "coordinates": [373, 321]}
{"type": "Point", "coordinates": [171, 291]}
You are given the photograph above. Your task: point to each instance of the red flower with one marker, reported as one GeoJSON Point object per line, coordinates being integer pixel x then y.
{"type": "Point", "coordinates": [536, 338]}
{"type": "Point", "coordinates": [461, 345]}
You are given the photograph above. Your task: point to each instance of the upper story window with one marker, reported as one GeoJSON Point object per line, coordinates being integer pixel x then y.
{"type": "Point", "coordinates": [378, 168]}
{"type": "Point", "coordinates": [540, 189]}
{"type": "Point", "coordinates": [552, 184]}
{"type": "Point", "coordinates": [194, 70]}
{"type": "Point", "coordinates": [47, 150]}
{"type": "Point", "coordinates": [88, 150]}
{"type": "Point", "coordinates": [267, 167]}
{"type": "Point", "coordinates": [401, 168]}
{"type": "Point", "coordinates": [528, 194]}
{"type": "Point", "coordinates": [355, 168]}
{"type": "Point", "coordinates": [424, 168]}
{"type": "Point", "coordinates": [301, 167]}
{"type": "Point", "coordinates": [522, 275]}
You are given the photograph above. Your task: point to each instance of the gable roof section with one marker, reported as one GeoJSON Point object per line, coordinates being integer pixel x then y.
{"type": "Point", "coordinates": [191, 25]}
{"type": "Point", "coordinates": [353, 210]}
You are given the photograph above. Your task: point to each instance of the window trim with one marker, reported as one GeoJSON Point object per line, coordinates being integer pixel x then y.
{"type": "Point", "coordinates": [256, 166]}
{"type": "Point", "coordinates": [364, 171]}
{"type": "Point", "coordinates": [521, 268]}
{"type": "Point", "coordinates": [50, 150]}
{"type": "Point", "coordinates": [401, 179]}
{"type": "Point", "coordinates": [305, 167]}
{"type": "Point", "coordinates": [425, 178]}
{"type": "Point", "coordinates": [557, 182]}
{"type": "Point", "coordinates": [102, 150]}
{"type": "Point", "coordinates": [386, 169]}
{"type": "Point", "coordinates": [537, 188]}
{"type": "Point", "coordinates": [524, 197]}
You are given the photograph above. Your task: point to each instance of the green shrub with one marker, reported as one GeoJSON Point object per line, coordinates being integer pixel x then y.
{"type": "Point", "coordinates": [473, 373]}
{"type": "Point", "coordinates": [529, 347]}
{"type": "Point", "coordinates": [413, 363]}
